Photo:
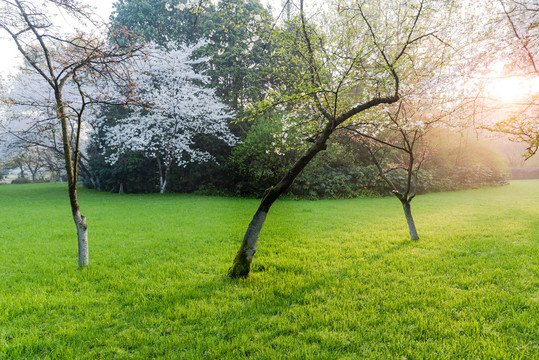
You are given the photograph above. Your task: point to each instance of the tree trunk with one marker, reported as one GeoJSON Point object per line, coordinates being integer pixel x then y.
{"type": "Point", "coordinates": [162, 185]}
{"type": "Point", "coordinates": [82, 237]}
{"type": "Point", "coordinates": [410, 219]}
{"type": "Point", "coordinates": [241, 265]}
{"type": "Point", "coordinates": [72, 177]}
{"type": "Point", "coordinates": [242, 262]}
{"type": "Point", "coordinates": [163, 175]}
{"type": "Point", "coordinates": [164, 180]}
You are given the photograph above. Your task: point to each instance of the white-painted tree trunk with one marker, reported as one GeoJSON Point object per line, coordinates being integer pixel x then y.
{"type": "Point", "coordinates": [82, 237]}
{"type": "Point", "coordinates": [162, 185]}
{"type": "Point", "coordinates": [163, 174]}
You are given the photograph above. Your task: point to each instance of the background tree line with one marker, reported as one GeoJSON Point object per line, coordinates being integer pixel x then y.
{"type": "Point", "coordinates": [246, 61]}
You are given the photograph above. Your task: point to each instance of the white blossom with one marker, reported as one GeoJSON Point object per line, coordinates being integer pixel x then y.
{"type": "Point", "coordinates": [181, 106]}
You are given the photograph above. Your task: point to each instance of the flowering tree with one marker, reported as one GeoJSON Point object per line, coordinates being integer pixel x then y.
{"type": "Point", "coordinates": [32, 113]}
{"type": "Point", "coordinates": [237, 33]}
{"type": "Point", "coordinates": [61, 64]}
{"type": "Point", "coordinates": [179, 108]}
{"type": "Point", "coordinates": [239, 65]}
{"type": "Point", "coordinates": [26, 158]}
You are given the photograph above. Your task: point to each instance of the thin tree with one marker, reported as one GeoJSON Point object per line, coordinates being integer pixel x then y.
{"type": "Point", "coordinates": [42, 44]}
{"type": "Point", "coordinates": [398, 147]}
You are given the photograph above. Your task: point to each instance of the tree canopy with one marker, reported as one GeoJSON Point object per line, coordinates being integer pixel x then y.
{"type": "Point", "coordinates": [178, 108]}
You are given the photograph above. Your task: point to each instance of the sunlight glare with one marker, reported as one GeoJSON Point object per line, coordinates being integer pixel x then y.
{"type": "Point", "coordinates": [512, 90]}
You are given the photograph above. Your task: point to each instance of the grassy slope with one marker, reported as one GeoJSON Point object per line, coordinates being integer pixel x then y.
{"type": "Point", "coordinates": [331, 279]}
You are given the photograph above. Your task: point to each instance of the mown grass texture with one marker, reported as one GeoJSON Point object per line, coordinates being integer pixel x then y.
{"type": "Point", "coordinates": [336, 279]}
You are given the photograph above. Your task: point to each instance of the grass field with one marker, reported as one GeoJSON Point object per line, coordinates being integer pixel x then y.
{"type": "Point", "coordinates": [332, 279]}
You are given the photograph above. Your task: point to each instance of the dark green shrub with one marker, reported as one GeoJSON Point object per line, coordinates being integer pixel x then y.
{"type": "Point", "coordinates": [21, 181]}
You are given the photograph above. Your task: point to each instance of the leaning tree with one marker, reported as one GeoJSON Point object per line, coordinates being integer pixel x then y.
{"type": "Point", "coordinates": [76, 61]}
{"type": "Point", "coordinates": [351, 54]}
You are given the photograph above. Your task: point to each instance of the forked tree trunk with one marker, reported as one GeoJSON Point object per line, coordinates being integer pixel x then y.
{"type": "Point", "coordinates": [34, 172]}
{"type": "Point", "coordinates": [162, 185]}
{"type": "Point", "coordinates": [241, 266]}
{"type": "Point", "coordinates": [410, 219]}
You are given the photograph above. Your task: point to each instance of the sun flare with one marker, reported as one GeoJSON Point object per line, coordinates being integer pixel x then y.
{"type": "Point", "coordinates": [512, 90]}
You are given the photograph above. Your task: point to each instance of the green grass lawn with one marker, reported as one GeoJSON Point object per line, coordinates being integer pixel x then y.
{"type": "Point", "coordinates": [332, 279]}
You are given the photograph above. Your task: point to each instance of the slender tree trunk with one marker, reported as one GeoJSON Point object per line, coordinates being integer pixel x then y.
{"type": "Point", "coordinates": [241, 265]}
{"type": "Point", "coordinates": [82, 237]}
{"type": "Point", "coordinates": [94, 184]}
{"type": "Point", "coordinates": [163, 180]}
{"type": "Point", "coordinates": [411, 224]}
{"type": "Point", "coordinates": [162, 176]}
{"type": "Point", "coordinates": [167, 174]}
{"type": "Point", "coordinates": [163, 185]}
{"type": "Point", "coordinates": [72, 177]}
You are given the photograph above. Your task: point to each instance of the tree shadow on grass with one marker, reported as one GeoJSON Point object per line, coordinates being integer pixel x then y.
{"type": "Point", "coordinates": [394, 248]}
{"type": "Point", "coordinates": [294, 293]}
